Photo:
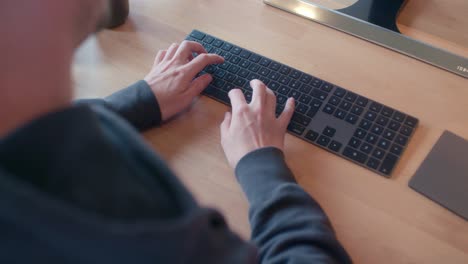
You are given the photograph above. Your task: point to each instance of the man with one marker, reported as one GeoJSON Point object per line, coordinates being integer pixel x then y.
{"type": "Point", "coordinates": [79, 185]}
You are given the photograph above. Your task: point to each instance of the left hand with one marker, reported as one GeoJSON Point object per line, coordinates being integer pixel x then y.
{"type": "Point", "coordinates": [172, 77]}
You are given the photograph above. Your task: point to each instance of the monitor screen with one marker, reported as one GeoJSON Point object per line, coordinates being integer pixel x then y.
{"type": "Point", "coordinates": [432, 31]}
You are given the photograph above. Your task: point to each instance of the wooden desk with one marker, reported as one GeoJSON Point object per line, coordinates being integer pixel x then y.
{"type": "Point", "coordinates": [378, 220]}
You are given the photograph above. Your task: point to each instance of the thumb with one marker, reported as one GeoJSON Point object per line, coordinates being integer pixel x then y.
{"type": "Point", "coordinates": [199, 84]}
{"type": "Point", "coordinates": [288, 112]}
{"type": "Point", "coordinates": [225, 125]}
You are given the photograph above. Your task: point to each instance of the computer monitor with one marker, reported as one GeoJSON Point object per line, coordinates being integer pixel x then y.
{"type": "Point", "coordinates": [431, 31]}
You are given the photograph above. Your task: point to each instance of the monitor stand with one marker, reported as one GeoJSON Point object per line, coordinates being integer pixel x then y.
{"type": "Point", "coordinates": [379, 12]}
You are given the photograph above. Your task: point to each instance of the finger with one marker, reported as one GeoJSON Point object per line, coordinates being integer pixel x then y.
{"type": "Point", "coordinates": [171, 51]}
{"type": "Point", "coordinates": [237, 99]}
{"type": "Point", "coordinates": [160, 56]}
{"type": "Point", "coordinates": [199, 84]}
{"type": "Point", "coordinates": [225, 125]}
{"type": "Point", "coordinates": [187, 48]}
{"type": "Point", "coordinates": [201, 61]}
{"type": "Point", "coordinates": [287, 113]}
{"type": "Point", "coordinates": [270, 100]}
{"type": "Point", "coordinates": [259, 93]}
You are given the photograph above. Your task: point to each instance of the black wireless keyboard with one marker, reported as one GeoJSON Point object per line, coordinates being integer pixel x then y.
{"type": "Point", "coordinates": [354, 127]}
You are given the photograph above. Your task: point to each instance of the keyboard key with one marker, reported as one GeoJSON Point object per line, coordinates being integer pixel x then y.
{"type": "Point", "coordinates": [295, 85]}
{"type": "Point", "coordinates": [285, 70]}
{"type": "Point", "coordinates": [378, 153]}
{"type": "Point", "coordinates": [248, 96]}
{"type": "Point", "coordinates": [398, 116]}
{"type": "Point", "coordinates": [335, 146]}
{"type": "Point", "coordinates": [243, 73]}
{"type": "Point", "coordinates": [275, 66]}
{"type": "Point", "coordinates": [220, 73]}
{"type": "Point", "coordinates": [244, 63]}
{"type": "Point", "coordinates": [371, 138]}
{"type": "Point", "coordinates": [281, 99]}
{"type": "Point", "coordinates": [384, 144]}
{"type": "Point", "coordinates": [218, 43]}
{"type": "Point", "coordinates": [316, 83]}
{"type": "Point", "coordinates": [197, 34]}
{"type": "Point", "coordinates": [296, 74]}
{"type": "Point", "coordinates": [208, 39]}
{"type": "Point", "coordinates": [345, 105]}
{"type": "Point", "coordinates": [301, 119]}
{"type": "Point", "coordinates": [312, 112]}
{"type": "Point", "coordinates": [254, 67]}
{"type": "Point", "coordinates": [306, 89]}
{"type": "Point", "coordinates": [355, 155]}
{"type": "Point", "coordinates": [327, 87]}
{"type": "Point", "coordinates": [284, 80]}
{"type": "Point", "coordinates": [315, 104]}
{"type": "Point", "coordinates": [357, 110]}
{"type": "Point", "coordinates": [255, 58]}
{"type": "Point", "coordinates": [294, 94]}
{"type": "Point", "coordinates": [284, 90]}
{"type": "Point", "coordinates": [334, 100]}
{"type": "Point", "coordinates": [233, 69]}
{"type": "Point", "coordinates": [406, 131]}
{"type": "Point", "coordinates": [351, 97]}
{"type": "Point", "coordinates": [311, 135]}
{"type": "Point", "coordinates": [306, 78]}
{"type": "Point", "coordinates": [227, 47]}
{"type": "Point", "coordinates": [329, 131]}
{"type": "Point", "coordinates": [274, 86]}
{"type": "Point", "coordinates": [296, 129]}
{"type": "Point", "coordinates": [395, 126]}
{"type": "Point", "coordinates": [362, 101]}
{"type": "Point", "coordinates": [240, 82]}
{"type": "Point", "coordinates": [302, 108]}
{"type": "Point", "coordinates": [411, 121]}
{"type": "Point", "coordinates": [230, 77]}
{"type": "Point", "coordinates": [365, 124]}
{"type": "Point", "coordinates": [340, 114]}
{"type": "Point", "coordinates": [373, 163]}
{"type": "Point", "coordinates": [264, 71]}
{"type": "Point", "coordinates": [305, 99]}
{"type": "Point", "coordinates": [274, 76]}
{"type": "Point", "coordinates": [228, 87]}
{"type": "Point", "coordinates": [354, 142]}
{"type": "Point", "coordinates": [340, 92]}
{"type": "Point", "coordinates": [402, 140]}
{"type": "Point", "coordinates": [366, 148]}
{"type": "Point", "coordinates": [360, 133]}
{"type": "Point", "coordinates": [328, 109]}
{"type": "Point", "coordinates": [235, 60]}
{"type": "Point", "coordinates": [376, 107]}
{"type": "Point", "coordinates": [319, 94]}
{"type": "Point", "coordinates": [218, 83]}
{"type": "Point", "coordinates": [387, 111]}
{"type": "Point", "coordinates": [265, 62]}
{"type": "Point", "coordinates": [388, 164]}
{"type": "Point", "coordinates": [323, 140]}
{"type": "Point", "coordinates": [370, 116]}
{"type": "Point", "coordinates": [382, 120]}
{"type": "Point", "coordinates": [245, 54]}
{"type": "Point", "coordinates": [352, 119]}
{"type": "Point", "coordinates": [388, 134]}
{"type": "Point", "coordinates": [376, 129]}
{"type": "Point", "coordinates": [236, 50]}
{"type": "Point", "coordinates": [395, 149]}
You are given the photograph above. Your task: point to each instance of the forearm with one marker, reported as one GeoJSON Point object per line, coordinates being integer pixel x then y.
{"type": "Point", "coordinates": [136, 103]}
{"type": "Point", "coordinates": [287, 224]}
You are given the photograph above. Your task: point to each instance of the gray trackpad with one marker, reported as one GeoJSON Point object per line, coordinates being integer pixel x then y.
{"type": "Point", "coordinates": [443, 176]}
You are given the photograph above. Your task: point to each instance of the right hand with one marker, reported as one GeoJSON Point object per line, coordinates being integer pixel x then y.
{"type": "Point", "coordinates": [253, 126]}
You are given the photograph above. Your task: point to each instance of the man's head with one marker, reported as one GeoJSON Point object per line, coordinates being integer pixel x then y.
{"type": "Point", "coordinates": [39, 38]}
